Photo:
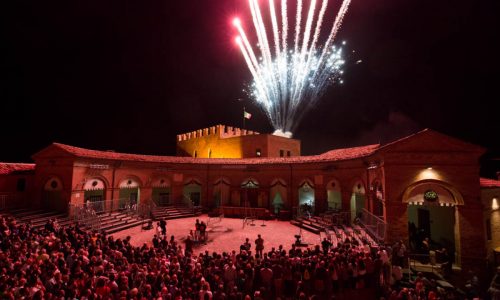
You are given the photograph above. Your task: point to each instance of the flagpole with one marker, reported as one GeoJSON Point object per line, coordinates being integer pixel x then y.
{"type": "Point", "coordinates": [244, 112]}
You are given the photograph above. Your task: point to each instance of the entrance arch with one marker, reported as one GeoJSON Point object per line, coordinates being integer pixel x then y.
{"type": "Point", "coordinates": [52, 194]}
{"type": "Point", "coordinates": [377, 199]}
{"type": "Point", "coordinates": [222, 192]}
{"type": "Point", "coordinates": [192, 192]}
{"type": "Point", "coordinates": [306, 198]}
{"type": "Point", "coordinates": [129, 192]}
{"type": "Point", "coordinates": [278, 195]}
{"type": "Point", "coordinates": [358, 198]}
{"type": "Point", "coordinates": [433, 214]}
{"type": "Point", "coordinates": [94, 193]}
{"type": "Point", "coordinates": [334, 196]}
{"type": "Point", "coordinates": [250, 189]}
{"type": "Point", "coordinates": [161, 191]}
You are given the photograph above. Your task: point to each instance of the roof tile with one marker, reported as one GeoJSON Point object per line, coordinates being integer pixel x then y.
{"type": "Point", "coordinates": [9, 168]}
{"type": "Point", "coordinates": [334, 155]}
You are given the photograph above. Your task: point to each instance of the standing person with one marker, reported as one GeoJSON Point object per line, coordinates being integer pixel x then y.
{"type": "Point", "coordinates": [325, 244]}
{"type": "Point", "coordinates": [230, 277]}
{"type": "Point", "coordinates": [246, 245]}
{"type": "Point", "coordinates": [189, 245]}
{"type": "Point", "coordinates": [259, 245]}
{"type": "Point", "coordinates": [203, 228]}
{"type": "Point", "coordinates": [197, 230]}
{"type": "Point", "coordinates": [163, 226]}
{"type": "Point", "coordinates": [158, 229]}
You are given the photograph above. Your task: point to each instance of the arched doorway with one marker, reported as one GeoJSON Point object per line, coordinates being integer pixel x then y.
{"type": "Point", "coordinates": [129, 193]}
{"type": "Point", "coordinates": [161, 191]}
{"type": "Point", "coordinates": [222, 192]}
{"type": "Point", "coordinates": [306, 198]}
{"type": "Point", "coordinates": [94, 194]}
{"type": "Point", "coordinates": [52, 194]}
{"type": "Point", "coordinates": [334, 196]}
{"type": "Point", "coordinates": [278, 195]}
{"type": "Point", "coordinates": [357, 199]}
{"type": "Point", "coordinates": [432, 216]}
{"type": "Point", "coordinates": [192, 192]}
{"type": "Point", "coordinates": [378, 199]}
{"type": "Point", "coordinates": [250, 189]}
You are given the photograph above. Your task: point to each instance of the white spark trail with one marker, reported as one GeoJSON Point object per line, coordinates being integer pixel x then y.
{"type": "Point", "coordinates": [288, 83]}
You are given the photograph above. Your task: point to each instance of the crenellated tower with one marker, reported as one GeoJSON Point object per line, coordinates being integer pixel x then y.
{"type": "Point", "coordinates": [221, 141]}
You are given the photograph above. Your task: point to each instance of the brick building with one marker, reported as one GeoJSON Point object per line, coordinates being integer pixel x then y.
{"type": "Point", "coordinates": [231, 142]}
{"type": "Point", "coordinates": [428, 181]}
{"type": "Point", "coordinates": [490, 195]}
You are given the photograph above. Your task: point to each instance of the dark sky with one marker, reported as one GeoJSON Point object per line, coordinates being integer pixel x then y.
{"type": "Point", "coordinates": [128, 76]}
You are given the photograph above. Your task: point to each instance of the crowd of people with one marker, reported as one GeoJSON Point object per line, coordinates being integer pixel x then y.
{"type": "Point", "coordinates": [57, 262]}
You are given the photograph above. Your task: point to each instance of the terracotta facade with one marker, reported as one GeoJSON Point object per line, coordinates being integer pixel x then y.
{"type": "Point", "coordinates": [384, 177]}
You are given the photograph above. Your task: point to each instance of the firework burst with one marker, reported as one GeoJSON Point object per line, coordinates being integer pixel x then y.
{"type": "Point", "coordinates": [288, 79]}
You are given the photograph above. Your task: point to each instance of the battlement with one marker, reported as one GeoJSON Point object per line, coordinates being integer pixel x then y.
{"type": "Point", "coordinates": [222, 131]}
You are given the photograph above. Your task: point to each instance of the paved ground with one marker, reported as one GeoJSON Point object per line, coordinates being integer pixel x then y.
{"type": "Point", "coordinates": [226, 235]}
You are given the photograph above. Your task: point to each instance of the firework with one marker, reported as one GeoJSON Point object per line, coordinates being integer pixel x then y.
{"type": "Point", "coordinates": [288, 79]}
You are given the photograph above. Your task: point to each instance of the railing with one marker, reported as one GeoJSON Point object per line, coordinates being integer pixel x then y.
{"type": "Point", "coordinates": [298, 212]}
{"type": "Point", "coordinates": [373, 224]}
{"type": "Point", "coordinates": [337, 217]}
{"type": "Point", "coordinates": [85, 215]}
{"type": "Point", "coordinates": [105, 206]}
{"type": "Point", "coordinates": [11, 201]}
{"type": "Point", "coordinates": [186, 201]}
{"type": "Point", "coordinates": [89, 213]}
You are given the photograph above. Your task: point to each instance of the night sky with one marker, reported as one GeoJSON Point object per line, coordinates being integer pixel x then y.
{"type": "Point", "coordinates": [130, 76]}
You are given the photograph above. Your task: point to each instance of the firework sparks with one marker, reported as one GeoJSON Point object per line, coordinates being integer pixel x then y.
{"type": "Point", "coordinates": [289, 82]}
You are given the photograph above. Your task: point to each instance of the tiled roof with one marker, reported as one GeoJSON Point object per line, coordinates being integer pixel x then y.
{"type": "Point", "coordinates": [334, 155]}
{"type": "Point", "coordinates": [430, 131]}
{"type": "Point", "coordinates": [489, 183]}
{"type": "Point", "coordinates": [9, 168]}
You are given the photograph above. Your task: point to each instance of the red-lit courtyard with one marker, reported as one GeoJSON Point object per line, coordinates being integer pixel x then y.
{"type": "Point", "coordinates": [227, 234]}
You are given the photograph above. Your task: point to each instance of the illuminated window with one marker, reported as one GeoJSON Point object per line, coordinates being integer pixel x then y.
{"type": "Point", "coordinates": [494, 204]}
{"type": "Point", "coordinates": [258, 153]}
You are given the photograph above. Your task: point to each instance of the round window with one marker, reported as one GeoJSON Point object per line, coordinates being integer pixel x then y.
{"type": "Point", "coordinates": [53, 184]}
{"type": "Point", "coordinates": [430, 195]}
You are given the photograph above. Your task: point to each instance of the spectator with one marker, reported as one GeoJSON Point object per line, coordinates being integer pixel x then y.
{"type": "Point", "coordinates": [259, 246]}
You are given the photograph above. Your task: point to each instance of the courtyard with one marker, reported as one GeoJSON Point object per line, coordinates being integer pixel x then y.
{"type": "Point", "coordinates": [225, 234]}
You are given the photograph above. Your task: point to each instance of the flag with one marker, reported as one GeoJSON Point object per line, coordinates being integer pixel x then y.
{"type": "Point", "coordinates": [247, 115]}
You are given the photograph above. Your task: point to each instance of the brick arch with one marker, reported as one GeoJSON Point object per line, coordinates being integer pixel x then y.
{"type": "Point", "coordinates": [129, 177]}
{"type": "Point", "coordinates": [97, 177]}
{"type": "Point", "coordinates": [308, 181]}
{"type": "Point", "coordinates": [278, 181]}
{"type": "Point", "coordinates": [377, 188]}
{"type": "Point", "coordinates": [53, 195]}
{"type": "Point", "coordinates": [221, 192]}
{"type": "Point", "coordinates": [457, 196]}
{"type": "Point", "coordinates": [156, 182]}
{"type": "Point", "coordinates": [250, 179]}
{"type": "Point", "coordinates": [357, 185]}
{"type": "Point", "coordinates": [47, 186]}
{"type": "Point", "coordinates": [337, 187]}
{"type": "Point", "coordinates": [278, 185]}
{"type": "Point", "coordinates": [192, 179]}
{"type": "Point", "coordinates": [222, 179]}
